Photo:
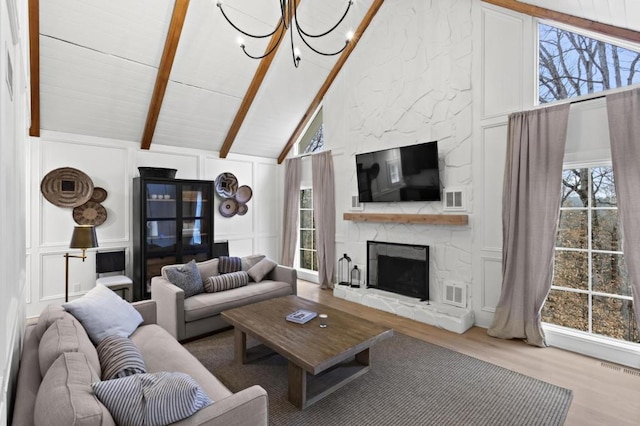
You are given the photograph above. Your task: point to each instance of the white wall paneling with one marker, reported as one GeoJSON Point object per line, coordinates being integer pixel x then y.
{"type": "Point", "coordinates": [493, 151]}
{"type": "Point", "coordinates": [112, 164]}
{"type": "Point", "coordinates": [107, 166]}
{"type": "Point", "coordinates": [502, 58]}
{"type": "Point", "coordinates": [13, 143]}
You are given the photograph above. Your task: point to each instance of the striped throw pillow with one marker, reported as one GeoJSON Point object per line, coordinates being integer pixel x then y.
{"type": "Point", "coordinates": [226, 281]}
{"type": "Point", "coordinates": [151, 399]}
{"type": "Point", "coordinates": [119, 357]}
{"type": "Point", "coordinates": [229, 264]}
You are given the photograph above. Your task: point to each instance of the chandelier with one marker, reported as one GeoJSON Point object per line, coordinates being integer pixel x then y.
{"type": "Point", "coordinates": [289, 20]}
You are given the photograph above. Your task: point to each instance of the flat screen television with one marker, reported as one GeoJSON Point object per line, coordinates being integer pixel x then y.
{"type": "Point", "coordinates": [407, 173]}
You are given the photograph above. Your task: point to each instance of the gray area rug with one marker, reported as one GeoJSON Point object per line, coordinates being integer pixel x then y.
{"type": "Point", "coordinates": [411, 382]}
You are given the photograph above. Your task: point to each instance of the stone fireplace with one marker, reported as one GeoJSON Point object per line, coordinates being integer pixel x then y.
{"type": "Point", "coordinates": [398, 282]}
{"type": "Point", "coordinates": [398, 268]}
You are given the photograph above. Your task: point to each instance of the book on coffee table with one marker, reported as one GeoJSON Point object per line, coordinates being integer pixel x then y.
{"type": "Point", "coordinates": [301, 316]}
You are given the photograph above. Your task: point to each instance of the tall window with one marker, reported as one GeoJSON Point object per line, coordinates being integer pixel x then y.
{"type": "Point", "coordinates": [571, 64]}
{"type": "Point", "coordinates": [313, 138]}
{"type": "Point", "coordinates": [308, 248]}
{"type": "Point", "coordinates": [591, 290]}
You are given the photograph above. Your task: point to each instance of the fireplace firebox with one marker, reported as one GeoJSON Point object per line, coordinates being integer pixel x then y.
{"type": "Point", "coordinates": [398, 268]}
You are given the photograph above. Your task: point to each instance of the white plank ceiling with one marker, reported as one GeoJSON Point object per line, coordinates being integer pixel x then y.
{"type": "Point", "coordinates": [99, 62]}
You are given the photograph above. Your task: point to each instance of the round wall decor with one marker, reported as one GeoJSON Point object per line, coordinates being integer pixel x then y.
{"type": "Point", "coordinates": [244, 194]}
{"type": "Point", "coordinates": [90, 213]}
{"type": "Point", "coordinates": [99, 194]}
{"type": "Point", "coordinates": [226, 185]}
{"type": "Point", "coordinates": [228, 207]}
{"type": "Point", "coordinates": [66, 187]}
{"type": "Point", "coordinates": [242, 209]}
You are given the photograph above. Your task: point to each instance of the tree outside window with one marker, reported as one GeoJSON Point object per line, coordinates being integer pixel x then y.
{"type": "Point", "coordinates": [308, 249]}
{"type": "Point", "coordinates": [590, 291]}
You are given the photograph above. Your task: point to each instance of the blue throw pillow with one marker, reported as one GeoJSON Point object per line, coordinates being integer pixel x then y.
{"type": "Point", "coordinates": [102, 312]}
{"type": "Point", "coordinates": [187, 277]}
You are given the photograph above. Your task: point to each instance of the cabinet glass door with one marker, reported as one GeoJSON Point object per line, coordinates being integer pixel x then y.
{"type": "Point", "coordinates": [196, 213]}
{"type": "Point", "coordinates": [161, 232]}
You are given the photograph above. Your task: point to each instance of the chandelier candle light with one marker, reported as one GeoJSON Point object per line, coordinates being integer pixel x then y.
{"type": "Point", "coordinates": [288, 21]}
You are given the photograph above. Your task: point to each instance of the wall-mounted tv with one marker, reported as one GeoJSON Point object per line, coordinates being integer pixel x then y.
{"type": "Point", "coordinates": [407, 173]}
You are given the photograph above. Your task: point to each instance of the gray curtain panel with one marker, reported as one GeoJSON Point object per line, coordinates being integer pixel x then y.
{"type": "Point", "coordinates": [324, 209]}
{"type": "Point", "coordinates": [293, 170]}
{"type": "Point", "coordinates": [623, 110]}
{"type": "Point", "coordinates": [530, 211]}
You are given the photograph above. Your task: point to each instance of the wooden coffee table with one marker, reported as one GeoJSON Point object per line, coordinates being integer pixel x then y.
{"type": "Point", "coordinates": [320, 360]}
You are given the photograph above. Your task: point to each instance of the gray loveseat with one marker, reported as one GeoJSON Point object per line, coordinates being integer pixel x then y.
{"type": "Point", "coordinates": [69, 401]}
{"type": "Point", "coordinates": [192, 316]}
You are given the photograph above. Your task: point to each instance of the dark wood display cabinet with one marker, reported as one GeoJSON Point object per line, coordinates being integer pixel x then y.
{"type": "Point", "coordinates": [172, 223]}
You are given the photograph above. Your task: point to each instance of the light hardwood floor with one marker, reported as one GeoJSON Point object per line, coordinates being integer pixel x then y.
{"type": "Point", "coordinates": [601, 395]}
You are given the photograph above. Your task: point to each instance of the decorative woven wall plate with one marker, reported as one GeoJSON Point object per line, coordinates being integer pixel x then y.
{"type": "Point", "coordinates": [244, 194]}
{"type": "Point", "coordinates": [99, 194]}
{"type": "Point", "coordinates": [226, 185]}
{"type": "Point", "coordinates": [90, 213]}
{"type": "Point", "coordinates": [66, 187]}
{"type": "Point", "coordinates": [242, 209]}
{"type": "Point", "coordinates": [228, 207]}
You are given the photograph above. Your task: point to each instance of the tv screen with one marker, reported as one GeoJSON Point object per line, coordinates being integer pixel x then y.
{"type": "Point", "coordinates": [408, 173]}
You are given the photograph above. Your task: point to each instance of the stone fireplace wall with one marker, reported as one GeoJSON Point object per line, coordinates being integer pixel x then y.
{"type": "Point", "coordinates": [401, 88]}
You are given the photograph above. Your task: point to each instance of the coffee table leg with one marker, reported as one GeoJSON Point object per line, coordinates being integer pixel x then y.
{"type": "Point", "coordinates": [297, 386]}
{"type": "Point", "coordinates": [363, 357]}
{"type": "Point", "coordinates": [240, 343]}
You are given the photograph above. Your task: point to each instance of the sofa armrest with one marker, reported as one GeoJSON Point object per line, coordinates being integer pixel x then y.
{"type": "Point", "coordinates": [249, 407]}
{"type": "Point", "coordinates": [147, 309]}
{"type": "Point", "coordinates": [170, 306]}
{"type": "Point", "coordinates": [285, 274]}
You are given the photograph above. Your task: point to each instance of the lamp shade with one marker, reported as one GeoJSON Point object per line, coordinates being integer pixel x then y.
{"type": "Point", "coordinates": [84, 237]}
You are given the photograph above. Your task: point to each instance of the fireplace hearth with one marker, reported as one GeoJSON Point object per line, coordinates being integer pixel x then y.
{"type": "Point", "coordinates": [398, 268]}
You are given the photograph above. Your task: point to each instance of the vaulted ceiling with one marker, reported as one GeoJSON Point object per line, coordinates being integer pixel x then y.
{"type": "Point", "coordinates": [170, 72]}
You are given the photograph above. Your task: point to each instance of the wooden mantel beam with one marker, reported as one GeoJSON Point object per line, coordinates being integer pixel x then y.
{"type": "Point", "coordinates": [164, 70]}
{"type": "Point", "coordinates": [308, 115]}
{"type": "Point", "coordinates": [34, 65]}
{"type": "Point", "coordinates": [252, 91]}
{"type": "Point", "coordinates": [540, 12]}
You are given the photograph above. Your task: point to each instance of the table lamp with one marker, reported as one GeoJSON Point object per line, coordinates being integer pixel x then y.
{"type": "Point", "coordinates": [84, 237]}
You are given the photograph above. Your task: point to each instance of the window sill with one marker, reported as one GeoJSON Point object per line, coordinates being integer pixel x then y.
{"type": "Point", "coordinates": [308, 275]}
{"type": "Point", "coordinates": [604, 348]}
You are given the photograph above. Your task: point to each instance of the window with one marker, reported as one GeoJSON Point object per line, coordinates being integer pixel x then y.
{"type": "Point", "coordinates": [591, 291]}
{"type": "Point", "coordinates": [571, 64]}
{"type": "Point", "coordinates": [313, 138]}
{"type": "Point", "coordinates": [308, 248]}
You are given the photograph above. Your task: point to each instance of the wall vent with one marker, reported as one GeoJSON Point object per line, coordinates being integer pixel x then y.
{"type": "Point", "coordinates": [456, 295]}
{"type": "Point", "coordinates": [453, 199]}
{"type": "Point", "coordinates": [355, 203]}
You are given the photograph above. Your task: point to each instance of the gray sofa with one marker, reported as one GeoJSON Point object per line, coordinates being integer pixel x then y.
{"type": "Point", "coordinates": [185, 318]}
{"type": "Point", "coordinates": [161, 352]}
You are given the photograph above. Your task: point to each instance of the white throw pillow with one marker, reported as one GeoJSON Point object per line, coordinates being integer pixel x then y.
{"type": "Point", "coordinates": [102, 312]}
{"type": "Point", "coordinates": [258, 271]}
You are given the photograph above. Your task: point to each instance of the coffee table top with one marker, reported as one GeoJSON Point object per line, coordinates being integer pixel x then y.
{"type": "Point", "coordinates": [307, 345]}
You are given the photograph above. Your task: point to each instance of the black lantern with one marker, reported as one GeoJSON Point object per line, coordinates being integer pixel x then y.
{"type": "Point", "coordinates": [344, 268]}
{"type": "Point", "coordinates": [355, 277]}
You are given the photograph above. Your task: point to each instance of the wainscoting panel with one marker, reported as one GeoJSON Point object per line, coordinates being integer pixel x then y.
{"type": "Point", "coordinates": [494, 145]}
{"type": "Point", "coordinates": [107, 168]}
{"type": "Point", "coordinates": [491, 283]}
{"type": "Point", "coordinates": [502, 57]}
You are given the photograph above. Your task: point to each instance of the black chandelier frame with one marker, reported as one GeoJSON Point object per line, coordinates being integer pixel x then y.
{"type": "Point", "coordinates": [289, 18]}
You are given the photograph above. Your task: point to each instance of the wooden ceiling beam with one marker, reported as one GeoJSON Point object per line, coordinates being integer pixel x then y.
{"type": "Point", "coordinates": [252, 91]}
{"type": "Point", "coordinates": [34, 65]}
{"type": "Point", "coordinates": [164, 70]}
{"type": "Point", "coordinates": [540, 12]}
{"type": "Point", "coordinates": [308, 115]}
